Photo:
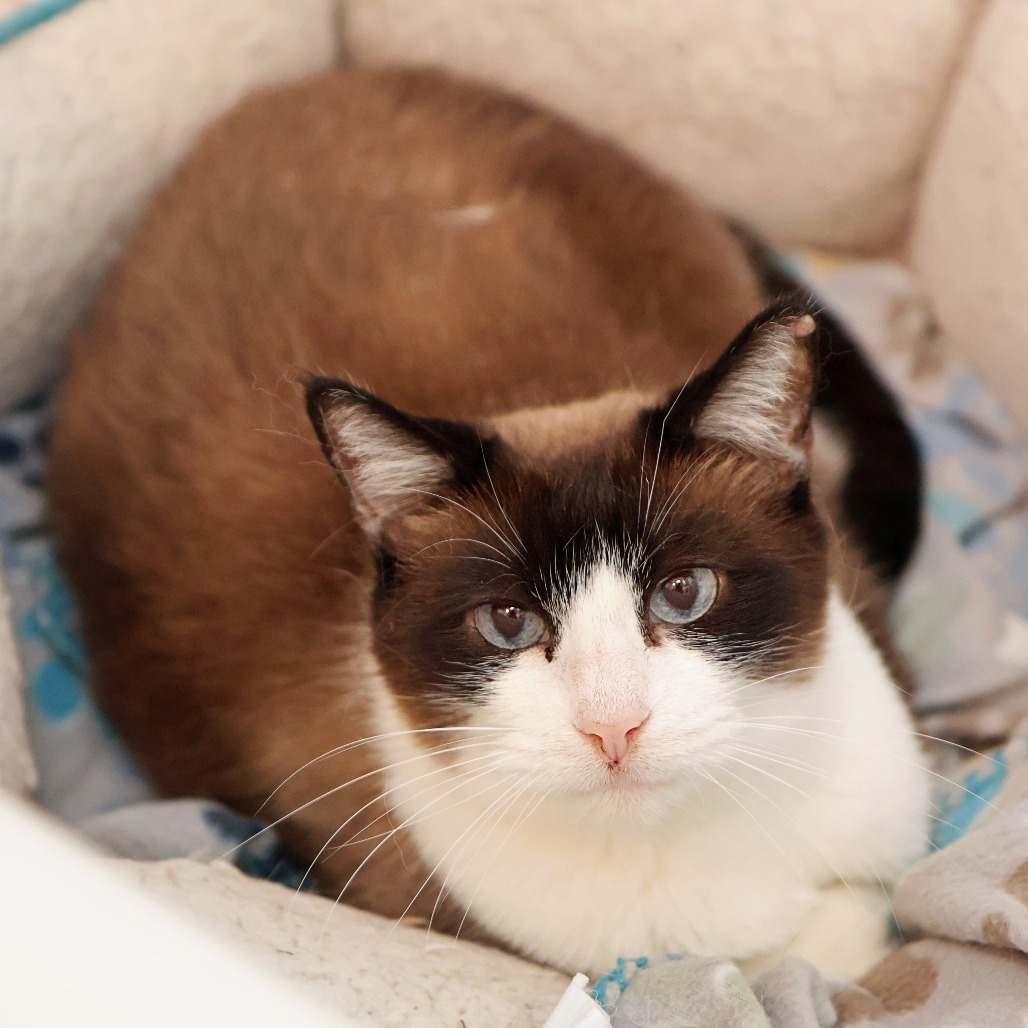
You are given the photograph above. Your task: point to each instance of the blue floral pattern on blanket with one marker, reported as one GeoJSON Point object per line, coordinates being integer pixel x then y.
{"type": "Point", "coordinates": [30, 15]}
{"type": "Point", "coordinates": [959, 804]}
{"type": "Point", "coordinates": [962, 616]}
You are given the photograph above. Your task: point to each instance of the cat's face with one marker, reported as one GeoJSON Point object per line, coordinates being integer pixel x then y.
{"type": "Point", "coordinates": [606, 583]}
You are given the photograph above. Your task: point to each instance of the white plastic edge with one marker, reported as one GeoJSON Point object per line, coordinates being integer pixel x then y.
{"type": "Point", "coordinates": [82, 946]}
{"type": "Point", "coordinates": [577, 1009]}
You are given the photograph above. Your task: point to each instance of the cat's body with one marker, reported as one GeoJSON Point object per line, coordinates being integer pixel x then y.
{"type": "Point", "coordinates": [467, 257]}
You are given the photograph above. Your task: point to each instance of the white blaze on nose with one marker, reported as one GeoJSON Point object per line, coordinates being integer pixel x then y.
{"type": "Point", "coordinates": [604, 660]}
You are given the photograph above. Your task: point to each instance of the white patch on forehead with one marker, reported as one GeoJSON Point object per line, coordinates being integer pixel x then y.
{"type": "Point", "coordinates": [601, 605]}
{"type": "Point", "coordinates": [601, 647]}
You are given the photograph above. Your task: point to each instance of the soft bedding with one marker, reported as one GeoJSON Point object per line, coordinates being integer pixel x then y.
{"type": "Point", "coordinates": [961, 617]}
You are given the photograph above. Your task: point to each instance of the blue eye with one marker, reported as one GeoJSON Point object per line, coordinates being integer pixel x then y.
{"type": "Point", "coordinates": [684, 598]}
{"type": "Point", "coordinates": [508, 627]}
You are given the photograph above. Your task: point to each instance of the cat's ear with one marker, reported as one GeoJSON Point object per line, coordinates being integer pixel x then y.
{"type": "Point", "coordinates": [392, 462]}
{"type": "Point", "coordinates": [759, 395]}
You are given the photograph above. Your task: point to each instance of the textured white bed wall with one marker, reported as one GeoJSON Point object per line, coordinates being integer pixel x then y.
{"type": "Point", "coordinates": [810, 118]}
{"type": "Point", "coordinates": [970, 241]}
{"type": "Point", "coordinates": [96, 106]}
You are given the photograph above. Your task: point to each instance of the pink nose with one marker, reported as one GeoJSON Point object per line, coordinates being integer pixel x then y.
{"type": "Point", "coordinates": [615, 739]}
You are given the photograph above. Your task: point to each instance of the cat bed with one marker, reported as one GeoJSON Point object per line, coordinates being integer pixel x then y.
{"type": "Point", "coordinates": [98, 100]}
{"type": "Point", "coordinates": [962, 617]}
{"type": "Point", "coordinates": [901, 121]}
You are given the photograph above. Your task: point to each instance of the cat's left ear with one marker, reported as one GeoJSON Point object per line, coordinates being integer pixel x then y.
{"type": "Point", "coordinates": [759, 395]}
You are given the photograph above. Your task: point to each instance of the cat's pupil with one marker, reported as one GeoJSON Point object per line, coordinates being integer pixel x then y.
{"type": "Point", "coordinates": [509, 621]}
{"type": "Point", "coordinates": [681, 592]}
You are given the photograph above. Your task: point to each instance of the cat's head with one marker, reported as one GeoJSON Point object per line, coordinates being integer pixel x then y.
{"type": "Point", "coordinates": [604, 581]}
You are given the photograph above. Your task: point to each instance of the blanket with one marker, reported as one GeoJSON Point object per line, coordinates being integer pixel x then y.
{"type": "Point", "coordinates": [961, 618]}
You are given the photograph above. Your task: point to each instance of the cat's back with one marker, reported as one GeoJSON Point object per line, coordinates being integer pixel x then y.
{"type": "Point", "coordinates": [453, 247]}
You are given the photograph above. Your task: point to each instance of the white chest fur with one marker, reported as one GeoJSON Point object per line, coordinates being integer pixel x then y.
{"type": "Point", "coordinates": [829, 788]}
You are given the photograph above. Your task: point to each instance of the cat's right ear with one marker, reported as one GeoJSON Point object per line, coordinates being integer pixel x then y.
{"type": "Point", "coordinates": [393, 463]}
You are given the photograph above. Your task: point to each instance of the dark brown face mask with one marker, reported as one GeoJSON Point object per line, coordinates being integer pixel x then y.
{"type": "Point", "coordinates": [714, 478]}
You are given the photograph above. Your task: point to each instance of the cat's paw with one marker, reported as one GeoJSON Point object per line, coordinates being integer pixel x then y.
{"type": "Point", "coordinates": [848, 933]}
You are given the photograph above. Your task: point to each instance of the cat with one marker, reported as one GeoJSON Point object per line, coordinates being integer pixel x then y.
{"type": "Point", "coordinates": [575, 642]}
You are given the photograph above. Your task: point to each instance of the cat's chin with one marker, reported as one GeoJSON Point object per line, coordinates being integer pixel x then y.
{"type": "Point", "coordinates": [625, 798]}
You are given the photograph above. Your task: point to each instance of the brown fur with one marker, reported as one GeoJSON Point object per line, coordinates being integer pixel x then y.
{"type": "Point", "coordinates": [457, 251]}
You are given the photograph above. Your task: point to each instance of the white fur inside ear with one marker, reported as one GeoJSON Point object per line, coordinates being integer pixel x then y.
{"type": "Point", "coordinates": [762, 403]}
{"type": "Point", "coordinates": [385, 468]}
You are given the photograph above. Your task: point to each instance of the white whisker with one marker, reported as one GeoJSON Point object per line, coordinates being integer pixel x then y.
{"type": "Point", "coordinates": [400, 828]}
{"type": "Point", "coordinates": [503, 513]}
{"type": "Point", "coordinates": [518, 789]}
{"type": "Point", "coordinates": [511, 549]}
{"type": "Point", "coordinates": [339, 788]}
{"type": "Point", "coordinates": [660, 441]}
{"type": "Point", "coordinates": [806, 836]}
{"type": "Point", "coordinates": [874, 749]}
{"type": "Point", "coordinates": [742, 806]}
{"type": "Point", "coordinates": [771, 678]}
{"type": "Point", "coordinates": [459, 539]}
{"type": "Point", "coordinates": [363, 742]}
{"type": "Point", "coordinates": [529, 810]}
{"type": "Point", "coordinates": [381, 796]}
